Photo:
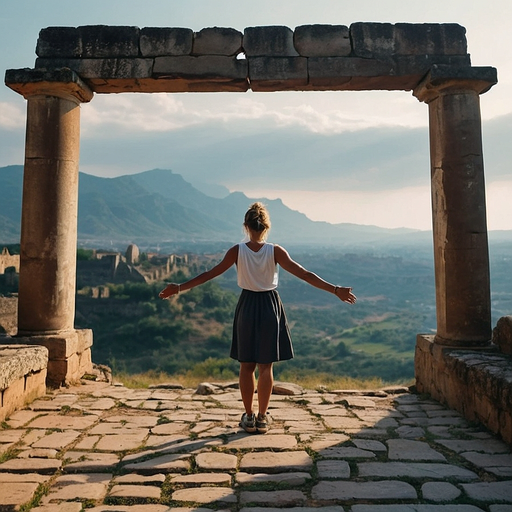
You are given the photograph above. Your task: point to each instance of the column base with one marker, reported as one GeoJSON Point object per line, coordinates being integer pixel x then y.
{"type": "Point", "coordinates": [69, 354]}
{"type": "Point", "coordinates": [477, 382]}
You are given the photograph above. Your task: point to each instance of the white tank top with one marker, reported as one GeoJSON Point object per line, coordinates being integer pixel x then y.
{"type": "Point", "coordinates": [256, 271]}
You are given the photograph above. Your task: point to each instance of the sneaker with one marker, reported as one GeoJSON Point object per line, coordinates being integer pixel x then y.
{"type": "Point", "coordinates": [247, 422]}
{"type": "Point", "coordinates": [262, 422]}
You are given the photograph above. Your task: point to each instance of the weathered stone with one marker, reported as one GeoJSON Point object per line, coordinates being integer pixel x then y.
{"type": "Point", "coordinates": [101, 41]}
{"type": "Point", "coordinates": [63, 421]}
{"type": "Point", "coordinates": [502, 335]}
{"type": "Point", "coordinates": [135, 492]}
{"type": "Point", "coordinates": [17, 361]}
{"type": "Point", "coordinates": [373, 40]}
{"type": "Point", "coordinates": [164, 464]}
{"type": "Point", "coordinates": [207, 495]}
{"type": "Point", "coordinates": [214, 460]}
{"type": "Point", "coordinates": [92, 486]}
{"type": "Point", "coordinates": [447, 374]}
{"type": "Point", "coordinates": [59, 42]}
{"type": "Point", "coordinates": [41, 466]}
{"type": "Point", "coordinates": [322, 40]}
{"type": "Point", "coordinates": [57, 440]}
{"type": "Point", "coordinates": [11, 496]}
{"type": "Point", "coordinates": [333, 469]}
{"type": "Point", "coordinates": [274, 441]}
{"type": "Point", "coordinates": [415, 470]}
{"type": "Point", "coordinates": [209, 66]}
{"type": "Point", "coordinates": [287, 389]}
{"type": "Point", "coordinates": [217, 41]}
{"type": "Point", "coordinates": [159, 41]}
{"type": "Point", "coordinates": [292, 479]}
{"type": "Point", "coordinates": [440, 491]}
{"type": "Point", "coordinates": [203, 479]}
{"type": "Point", "coordinates": [276, 462]}
{"type": "Point", "coordinates": [277, 73]}
{"type": "Point", "coordinates": [407, 449]}
{"type": "Point", "coordinates": [382, 490]}
{"type": "Point", "coordinates": [490, 491]}
{"type": "Point", "coordinates": [273, 41]}
{"type": "Point", "coordinates": [90, 462]}
{"type": "Point", "coordinates": [287, 498]}
{"type": "Point", "coordinates": [346, 452]}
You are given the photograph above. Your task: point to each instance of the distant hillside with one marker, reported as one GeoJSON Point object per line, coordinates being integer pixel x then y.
{"type": "Point", "coordinates": [159, 206]}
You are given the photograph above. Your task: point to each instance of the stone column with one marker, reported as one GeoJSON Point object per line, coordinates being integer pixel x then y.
{"type": "Point", "coordinates": [458, 204]}
{"type": "Point", "coordinates": [47, 286]}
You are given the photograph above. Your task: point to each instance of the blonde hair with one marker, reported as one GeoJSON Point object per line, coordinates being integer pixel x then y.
{"type": "Point", "coordinates": [257, 219]}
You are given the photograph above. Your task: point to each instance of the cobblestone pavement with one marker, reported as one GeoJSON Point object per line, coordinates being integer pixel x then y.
{"type": "Point", "coordinates": [108, 448]}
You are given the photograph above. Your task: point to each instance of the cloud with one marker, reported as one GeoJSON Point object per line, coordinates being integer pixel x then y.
{"type": "Point", "coordinates": [12, 115]}
{"type": "Point", "coordinates": [321, 112]}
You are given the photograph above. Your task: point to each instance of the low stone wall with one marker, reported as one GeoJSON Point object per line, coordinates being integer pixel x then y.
{"type": "Point", "coordinates": [22, 376]}
{"type": "Point", "coordinates": [475, 382]}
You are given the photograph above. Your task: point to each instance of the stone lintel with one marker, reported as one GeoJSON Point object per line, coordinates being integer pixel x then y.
{"type": "Point", "coordinates": [18, 360]}
{"type": "Point", "coordinates": [446, 79]}
{"type": "Point", "coordinates": [63, 82]}
{"type": "Point", "coordinates": [278, 73]}
{"type": "Point", "coordinates": [217, 41]}
{"type": "Point", "coordinates": [95, 69]}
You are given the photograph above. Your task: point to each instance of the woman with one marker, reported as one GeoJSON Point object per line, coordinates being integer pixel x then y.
{"type": "Point", "coordinates": [260, 330]}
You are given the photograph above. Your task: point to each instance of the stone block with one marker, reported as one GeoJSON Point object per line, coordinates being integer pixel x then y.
{"type": "Point", "coordinates": [200, 68]}
{"type": "Point", "coordinates": [430, 38]}
{"type": "Point", "coordinates": [217, 41]}
{"type": "Point", "coordinates": [59, 42]}
{"type": "Point", "coordinates": [21, 391]}
{"type": "Point", "coordinates": [372, 40]}
{"type": "Point", "coordinates": [64, 371]}
{"type": "Point", "coordinates": [274, 41]}
{"type": "Point", "coordinates": [158, 41]}
{"type": "Point", "coordinates": [278, 73]}
{"type": "Point", "coordinates": [16, 361]}
{"type": "Point", "coordinates": [322, 40]}
{"type": "Point", "coordinates": [103, 41]}
{"type": "Point", "coordinates": [502, 335]}
{"type": "Point", "coordinates": [101, 69]}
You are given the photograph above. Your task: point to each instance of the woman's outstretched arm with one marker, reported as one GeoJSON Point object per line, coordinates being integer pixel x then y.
{"type": "Point", "coordinates": [282, 257]}
{"type": "Point", "coordinates": [228, 261]}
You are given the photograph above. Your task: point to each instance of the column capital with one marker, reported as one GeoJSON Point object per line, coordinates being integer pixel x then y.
{"type": "Point", "coordinates": [444, 79]}
{"type": "Point", "coordinates": [61, 83]}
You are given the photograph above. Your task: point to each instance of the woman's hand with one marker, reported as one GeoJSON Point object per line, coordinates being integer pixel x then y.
{"type": "Point", "coordinates": [169, 290]}
{"type": "Point", "coordinates": [345, 294]}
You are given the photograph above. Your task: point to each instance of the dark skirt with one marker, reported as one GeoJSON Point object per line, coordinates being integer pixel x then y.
{"type": "Point", "coordinates": [260, 329]}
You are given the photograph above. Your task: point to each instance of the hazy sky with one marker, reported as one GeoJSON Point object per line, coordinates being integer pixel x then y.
{"type": "Point", "coordinates": [357, 157]}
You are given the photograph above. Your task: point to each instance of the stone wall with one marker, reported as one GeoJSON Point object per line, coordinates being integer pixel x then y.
{"type": "Point", "coordinates": [475, 382]}
{"type": "Point", "coordinates": [364, 56]}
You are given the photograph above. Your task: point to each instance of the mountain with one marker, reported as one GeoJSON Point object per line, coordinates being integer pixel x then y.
{"type": "Point", "coordinates": [159, 206]}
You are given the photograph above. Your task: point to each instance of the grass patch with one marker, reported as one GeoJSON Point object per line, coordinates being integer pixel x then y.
{"type": "Point", "coordinates": [308, 380]}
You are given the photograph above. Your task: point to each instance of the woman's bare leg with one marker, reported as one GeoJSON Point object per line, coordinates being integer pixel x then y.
{"type": "Point", "coordinates": [265, 385]}
{"type": "Point", "coordinates": [247, 384]}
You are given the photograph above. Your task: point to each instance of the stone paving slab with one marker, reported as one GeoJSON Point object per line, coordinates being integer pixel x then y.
{"type": "Point", "coordinates": [339, 452]}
